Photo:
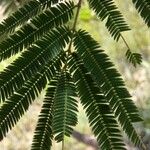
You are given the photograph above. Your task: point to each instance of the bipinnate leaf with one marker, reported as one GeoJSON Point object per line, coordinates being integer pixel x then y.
{"type": "Point", "coordinates": [65, 107]}
{"type": "Point", "coordinates": [109, 81]}
{"type": "Point", "coordinates": [23, 14]}
{"type": "Point", "coordinates": [107, 9]}
{"type": "Point", "coordinates": [36, 29]}
{"type": "Point", "coordinates": [100, 116]}
{"type": "Point", "coordinates": [32, 60]}
{"type": "Point", "coordinates": [13, 108]}
{"type": "Point", "coordinates": [143, 7]}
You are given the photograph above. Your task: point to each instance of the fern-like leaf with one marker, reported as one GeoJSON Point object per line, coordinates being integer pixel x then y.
{"type": "Point", "coordinates": [58, 113]}
{"type": "Point", "coordinates": [100, 117]}
{"type": "Point", "coordinates": [143, 7]}
{"type": "Point", "coordinates": [24, 13]}
{"type": "Point", "coordinates": [17, 104]}
{"type": "Point", "coordinates": [134, 58]}
{"type": "Point", "coordinates": [43, 134]}
{"type": "Point", "coordinates": [29, 33]}
{"type": "Point", "coordinates": [107, 9]}
{"type": "Point", "coordinates": [110, 82]}
{"type": "Point", "coordinates": [32, 60]}
{"type": "Point", "coordinates": [65, 107]}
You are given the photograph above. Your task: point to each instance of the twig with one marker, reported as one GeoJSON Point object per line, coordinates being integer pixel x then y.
{"type": "Point", "coordinates": [74, 24]}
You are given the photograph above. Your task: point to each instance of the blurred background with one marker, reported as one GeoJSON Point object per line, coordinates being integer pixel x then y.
{"type": "Point", "coordinates": [136, 79]}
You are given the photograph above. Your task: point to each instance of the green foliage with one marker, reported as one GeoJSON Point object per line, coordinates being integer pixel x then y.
{"type": "Point", "coordinates": [143, 7]}
{"type": "Point", "coordinates": [134, 58]}
{"type": "Point", "coordinates": [65, 107]}
{"type": "Point", "coordinates": [67, 63]}
{"type": "Point", "coordinates": [58, 113]}
{"type": "Point", "coordinates": [107, 9]}
{"type": "Point", "coordinates": [24, 14]}
{"type": "Point", "coordinates": [98, 110]}
{"type": "Point", "coordinates": [32, 60]}
{"type": "Point", "coordinates": [35, 29]}
{"type": "Point", "coordinates": [109, 82]}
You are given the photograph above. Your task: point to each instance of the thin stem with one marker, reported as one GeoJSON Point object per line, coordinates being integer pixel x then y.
{"type": "Point", "coordinates": [77, 14]}
{"type": "Point", "coordinates": [125, 42]}
{"type": "Point", "coordinates": [75, 24]}
{"type": "Point", "coordinates": [63, 145]}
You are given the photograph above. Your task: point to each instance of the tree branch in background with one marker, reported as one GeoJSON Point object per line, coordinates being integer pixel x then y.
{"type": "Point", "coordinates": [86, 139]}
{"type": "Point", "coordinates": [91, 141]}
{"type": "Point", "coordinates": [17, 2]}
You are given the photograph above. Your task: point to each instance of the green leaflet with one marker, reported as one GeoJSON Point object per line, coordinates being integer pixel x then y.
{"type": "Point", "coordinates": [58, 114]}
{"type": "Point", "coordinates": [110, 82]}
{"type": "Point", "coordinates": [134, 58]}
{"type": "Point", "coordinates": [100, 117]}
{"type": "Point", "coordinates": [65, 107]}
{"type": "Point", "coordinates": [24, 13]}
{"type": "Point", "coordinates": [43, 133]}
{"type": "Point", "coordinates": [38, 26]}
{"type": "Point", "coordinates": [32, 60]}
{"type": "Point", "coordinates": [143, 7]}
{"type": "Point", "coordinates": [106, 9]}
{"type": "Point", "coordinates": [13, 108]}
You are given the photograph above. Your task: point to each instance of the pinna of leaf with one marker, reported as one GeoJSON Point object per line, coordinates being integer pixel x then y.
{"type": "Point", "coordinates": [69, 65]}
